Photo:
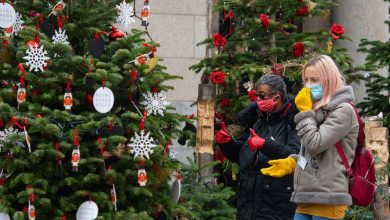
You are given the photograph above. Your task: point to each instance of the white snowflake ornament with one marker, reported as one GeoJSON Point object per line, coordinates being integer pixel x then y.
{"type": "Point", "coordinates": [60, 37]}
{"type": "Point", "coordinates": [18, 25]}
{"type": "Point", "coordinates": [142, 145]}
{"type": "Point", "coordinates": [125, 14]}
{"type": "Point", "coordinates": [6, 133]}
{"type": "Point", "coordinates": [36, 58]}
{"type": "Point", "coordinates": [155, 103]}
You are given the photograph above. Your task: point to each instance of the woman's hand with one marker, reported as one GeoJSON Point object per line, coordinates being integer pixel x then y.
{"type": "Point", "coordinates": [303, 100]}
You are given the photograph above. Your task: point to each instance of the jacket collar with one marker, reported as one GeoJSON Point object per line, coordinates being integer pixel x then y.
{"type": "Point", "coordinates": [345, 94]}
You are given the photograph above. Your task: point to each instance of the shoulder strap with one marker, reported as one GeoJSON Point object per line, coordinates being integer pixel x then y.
{"type": "Point", "coordinates": [360, 140]}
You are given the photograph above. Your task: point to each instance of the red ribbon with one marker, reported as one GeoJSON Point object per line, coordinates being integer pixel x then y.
{"type": "Point", "coordinates": [31, 195]}
{"type": "Point", "coordinates": [36, 38]}
{"type": "Point", "coordinates": [142, 123]}
{"type": "Point", "coordinates": [21, 68]}
{"type": "Point", "coordinates": [58, 159]}
{"type": "Point", "coordinates": [3, 2]}
{"type": "Point", "coordinates": [155, 89]}
{"type": "Point", "coordinates": [152, 48]}
{"type": "Point", "coordinates": [14, 121]}
{"type": "Point", "coordinates": [68, 84]}
{"type": "Point", "coordinates": [76, 142]}
{"type": "Point", "coordinates": [60, 21]}
{"type": "Point", "coordinates": [231, 16]}
{"type": "Point", "coordinates": [133, 75]}
{"type": "Point", "coordinates": [101, 145]}
{"type": "Point", "coordinates": [97, 36]}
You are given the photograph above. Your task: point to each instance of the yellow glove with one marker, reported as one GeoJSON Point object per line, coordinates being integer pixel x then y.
{"type": "Point", "coordinates": [280, 168]}
{"type": "Point", "coordinates": [303, 100]}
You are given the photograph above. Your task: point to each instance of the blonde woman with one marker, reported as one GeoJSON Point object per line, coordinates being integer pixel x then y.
{"type": "Point", "coordinates": [326, 117]}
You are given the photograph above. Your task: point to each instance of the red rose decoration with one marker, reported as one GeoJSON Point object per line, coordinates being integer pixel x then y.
{"type": "Point", "coordinates": [252, 95]}
{"type": "Point", "coordinates": [336, 31]}
{"type": "Point", "coordinates": [218, 156]}
{"type": "Point", "coordinates": [298, 49]}
{"type": "Point", "coordinates": [264, 20]}
{"type": "Point", "coordinates": [225, 102]}
{"type": "Point", "coordinates": [219, 40]}
{"type": "Point", "coordinates": [217, 77]}
{"type": "Point", "coordinates": [277, 68]}
{"type": "Point", "coordinates": [302, 11]}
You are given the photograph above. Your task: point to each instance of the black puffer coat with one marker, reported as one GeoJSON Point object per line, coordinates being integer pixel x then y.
{"type": "Point", "coordinates": [264, 197]}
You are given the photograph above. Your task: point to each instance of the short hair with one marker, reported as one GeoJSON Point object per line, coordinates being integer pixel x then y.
{"type": "Point", "coordinates": [276, 83]}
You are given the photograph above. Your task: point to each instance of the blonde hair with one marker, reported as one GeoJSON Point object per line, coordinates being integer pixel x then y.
{"type": "Point", "coordinates": [330, 78]}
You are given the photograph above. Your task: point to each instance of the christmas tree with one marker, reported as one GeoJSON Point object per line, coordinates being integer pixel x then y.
{"type": "Point", "coordinates": [85, 129]}
{"type": "Point", "coordinates": [259, 37]}
{"type": "Point", "coordinates": [377, 79]}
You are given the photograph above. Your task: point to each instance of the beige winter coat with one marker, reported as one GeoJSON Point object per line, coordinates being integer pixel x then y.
{"type": "Point", "coordinates": [324, 179]}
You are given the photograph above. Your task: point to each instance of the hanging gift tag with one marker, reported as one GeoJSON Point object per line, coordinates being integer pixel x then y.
{"type": "Point", "coordinates": [31, 211]}
{"type": "Point", "coordinates": [96, 46]}
{"type": "Point", "coordinates": [113, 196]}
{"type": "Point", "coordinates": [68, 99]}
{"type": "Point", "coordinates": [27, 139]}
{"type": "Point", "coordinates": [142, 59]}
{"type": "Point", "coordinates": [75, 159]}
{"type": "Point", "coordinates": [58, 7]}
{"type": "Point", "coordinates": [145, 13]}
{"type": "Point", "coordinates": [103, 100]}
{"type": "Point", "coordinates": [3, 177]}
{"type": "Point", "coordinates": [7, 15]}
{"type": "Point", "coordinates": [87, 211]}
{"type": "Point", "coordinates": [21, 97]}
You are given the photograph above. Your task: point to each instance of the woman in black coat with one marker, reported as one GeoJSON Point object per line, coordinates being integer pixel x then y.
{"type": "Point", "coordinates": [270, 134]}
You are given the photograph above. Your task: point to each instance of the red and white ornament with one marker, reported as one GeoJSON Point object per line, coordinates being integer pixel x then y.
{"type": "Point", "coordinates": [145, 13]}
{"type": "Point", "coordinates": [113, 196]}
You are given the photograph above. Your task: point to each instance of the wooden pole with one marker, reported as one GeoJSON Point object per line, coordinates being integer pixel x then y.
{"type": "Point", "coordinates": [377, 142]}
{"type": "Point", "coordinates": [205, 132]}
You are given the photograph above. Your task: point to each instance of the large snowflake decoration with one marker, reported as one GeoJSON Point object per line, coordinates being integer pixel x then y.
{"type": "Point", "coordinates": [60, 37]}
{"type": "Point", "coordinates": [172, 151]}
{"type": "Point", "coordinates": [155, 103]}
{"type": "Point", "coordinates": [125, 14]}
{"type": "Point", "coordinates": [142, 145]}
{"type": "Point", "coordinates": [8, 132]}
{"type": "Point", "coordinates": [18, 25]}
{"type": "Point", "coordinates": [36, 58]}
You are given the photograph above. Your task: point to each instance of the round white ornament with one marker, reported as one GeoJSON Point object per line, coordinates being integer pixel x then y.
{"type": "Point", "coordinates": [87, 211]}
{"type": "Point", "coordinates": [103, 100]}
{"type": "Point", "coordinates": [176, 190]}
{"type": "Point", "coordinates": [7, 15]}
{"type": "Point", "coordinates": [4, 216]}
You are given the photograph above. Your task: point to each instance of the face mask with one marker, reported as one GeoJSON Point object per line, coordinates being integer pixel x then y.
{"type": "Point", "coordinates": [266, 105]}
{"type": "Point", "coordinates": [315, 91]}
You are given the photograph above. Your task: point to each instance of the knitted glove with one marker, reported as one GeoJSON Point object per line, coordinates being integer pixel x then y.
{"type": "Point", "coordinates": [222, 137]}
{"type": "Point", "coordinates": [255, 142]}
{"type": "Point", "coordinates": [280, 167]}
{"type": "Point", "coordinates": [303, 100]}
